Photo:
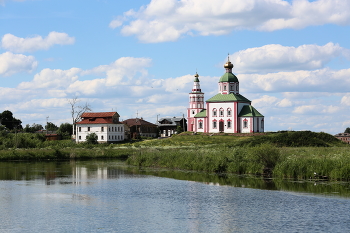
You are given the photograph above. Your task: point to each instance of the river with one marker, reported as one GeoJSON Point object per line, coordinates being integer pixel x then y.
{"type": "Point", "coordinates": [108, 196]}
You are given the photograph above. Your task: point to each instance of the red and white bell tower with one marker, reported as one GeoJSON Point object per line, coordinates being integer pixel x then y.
{"type": "Point", "coordinates": [196, 103]}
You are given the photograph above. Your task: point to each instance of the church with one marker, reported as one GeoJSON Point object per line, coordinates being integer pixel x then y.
{"type": "Point", "coordinates": [226, 112]}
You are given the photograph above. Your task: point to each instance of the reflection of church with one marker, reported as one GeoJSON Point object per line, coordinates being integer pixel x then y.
{"type": "Point", "coordinates": [228, 111]}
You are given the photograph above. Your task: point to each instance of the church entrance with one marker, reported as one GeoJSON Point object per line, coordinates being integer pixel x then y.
{"type": "Point", "coordinates": [221, 126]}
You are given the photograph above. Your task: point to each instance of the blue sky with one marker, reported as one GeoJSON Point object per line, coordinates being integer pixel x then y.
{"type": "Point", "coordinates": [292, 58]}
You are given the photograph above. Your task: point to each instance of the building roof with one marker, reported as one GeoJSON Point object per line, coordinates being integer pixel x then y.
{"type": "Point", "coordinates": [228, 98]}
{"type": "Point", "coordinates": [137, 121]}
{"type": "Point", "coordinates": [342, 135]}
{"type": "Point", "coordinates": [171, 121]}
{"type": "Point", "coordinates": [98, 114]}
{"type": "Point", "coordinates": [97, 121]}
{"type": "Point", "coordinates": [249, 111]}
{"type": "Point", "coordinates": [202, 113]}
{"type": "Point", "coordinates": [228, 77]}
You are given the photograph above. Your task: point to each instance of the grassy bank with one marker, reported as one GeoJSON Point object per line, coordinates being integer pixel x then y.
{"type": "Point", "coordinates": [296, 155]}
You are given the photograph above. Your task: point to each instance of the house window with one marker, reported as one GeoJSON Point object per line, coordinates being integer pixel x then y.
{"type": "Point", "coordinates": [214, 124]}
{"type": "Point", "coordinates": [88, 128]}
{"type": "Point", "coordinates": [214, 112]}
{"type": "Point", "coordinates": [79, 129]}
{"type": "Point", "coordinates": [109, 128]}
{"type": "Point", "coordinates": [109, 137]}
{"type": "Point", "coordinates": [229, 124]}
{"type": "Point", "coordinates": [79, 137]}
{"type": "Point", "coordinates": [121, 137]}
{"type": "Point", "coordinates": [102, 129]}
{"type": "Point", "coordinates": [200, 125]}
{"type": "Point", "coordinates": [101, 137]}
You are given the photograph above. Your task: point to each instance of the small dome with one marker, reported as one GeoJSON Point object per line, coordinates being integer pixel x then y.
{"type": "Point", "coordinates": [228, 77]}
{"type": "Point", "coordinates": [196, 77]}
{"type": "Point", "coordinates": [228, 65]}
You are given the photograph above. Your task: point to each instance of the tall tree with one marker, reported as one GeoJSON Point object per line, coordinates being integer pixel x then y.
{"type": "Point", "coordinates": [77, 110]}
{"type": "Point", "coordinates": [7, 119]}
{"type": "Point", "coordinates": [51, 126]}
{"type": "Point", "coordinates": [347, 130]}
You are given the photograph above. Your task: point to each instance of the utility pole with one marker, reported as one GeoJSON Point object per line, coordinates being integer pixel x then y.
{"type": "Point", "coordinates": [47, 119]}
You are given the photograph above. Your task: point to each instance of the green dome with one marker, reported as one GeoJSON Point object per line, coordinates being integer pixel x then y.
{"type": "Point", "coordinates": [228, 77]}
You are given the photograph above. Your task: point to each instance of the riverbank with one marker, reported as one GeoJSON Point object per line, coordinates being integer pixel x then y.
{"type": "Point", "coordinates": [296, 155]}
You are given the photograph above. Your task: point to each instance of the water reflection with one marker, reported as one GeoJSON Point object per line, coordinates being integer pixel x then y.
{"type": "Point", "coordinates": [79, 172]}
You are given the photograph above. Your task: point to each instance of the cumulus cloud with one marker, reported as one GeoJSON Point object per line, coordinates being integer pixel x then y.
{"type": "Point", "coordinates": [48, 78]}
{"type": "Point", "coordinates": [122, 71]}
{"type": "Point", "coordinates": [17, 44]}
{"type": "Point", "coordinates": [168, 20]}
{"type": "Point", "coordinates": [275, 57]}
{"type": "Point", "coordinates": [323, 80]}
{"type": "Point", "coordinates": [15, 63]}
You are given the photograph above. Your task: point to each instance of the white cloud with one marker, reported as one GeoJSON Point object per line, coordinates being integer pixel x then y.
{"type": "Point", "coordinates": [17, 44]}
{"type": "Point", "coordinates": [15, 63]}
{"type": "Point", "coordinates": [168, 20]}
{"type": "Point", "coordinates": [316, 109]}
{"type": "Point", "coordinates": [323, 80]}
{"type": "Point", "coordinates": [275, 57]}
{"type": "Point", "coordinates": [48, 78]}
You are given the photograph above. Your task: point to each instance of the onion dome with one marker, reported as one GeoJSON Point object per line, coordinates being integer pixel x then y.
{"type": "Point", "coordinates": [228, 76]}
{"type": "Point", "coordinates": [196, 78]}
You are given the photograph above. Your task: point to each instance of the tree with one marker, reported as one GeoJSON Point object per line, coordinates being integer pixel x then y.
{"type": "Point", "coordinates": [51, 126]}
{"type": "Point", "coordinates": [347, 130]}
{"type": "Point", "coordinates": [91, 138]}
{"type": "Point", "coordinates": [7, 119]}
{"type": "Point", "coordinates": [65, 128]}
{"type": "Point", "coordinates": [77, 110]}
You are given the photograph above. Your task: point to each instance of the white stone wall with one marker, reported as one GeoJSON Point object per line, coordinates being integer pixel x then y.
{"type": "Point", "coordinates": [218, 117]}
{"type": "Point", "coordinates": [104, 132]}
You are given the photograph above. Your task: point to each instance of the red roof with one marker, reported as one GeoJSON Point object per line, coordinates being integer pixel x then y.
{"type": "Point", "coordinates": [97, 121]}
{"type": "Point", "coordinates": [98, 114]}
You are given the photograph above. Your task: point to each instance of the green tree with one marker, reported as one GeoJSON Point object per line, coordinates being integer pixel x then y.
{"type": "Point", "coordinates": [51, 126]}
{"type": "Point", "coordinates": [65, 130]}
{"type": "Point", "coordinates": [179, 129]}
{"type": "Point", "coordinates": [32, 129]}
{"type": "Point", "coordinates": [7, 119]}
{"type": "Point", "coordinates": [91, 138]}
{"type": "Point", "coordinates": [347, 130]}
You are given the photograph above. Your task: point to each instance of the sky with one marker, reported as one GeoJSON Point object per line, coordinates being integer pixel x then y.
{"type": "Point", "coordinates": [139, 58]}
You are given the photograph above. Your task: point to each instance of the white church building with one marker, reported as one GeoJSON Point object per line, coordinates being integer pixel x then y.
{"type": "Point", "coordinates": [105, 125]}
{"type": "Point", "coordinates": [226, 112]}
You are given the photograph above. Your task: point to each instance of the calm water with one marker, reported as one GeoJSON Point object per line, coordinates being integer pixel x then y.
{"type": "Point", "coordinates": [90, 196]}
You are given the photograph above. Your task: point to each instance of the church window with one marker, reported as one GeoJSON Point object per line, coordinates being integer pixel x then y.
{"type": "Point", "coordinates": [225, 88]}
{"type": "Point", "coordinates": [192, 111]}
{"type": "Point", "coordinates": [221, 112]}
{"type": "Point", "coordinates": [231, 87]}
{"type": "Point", "coordinates": [214, 125]}
{"type": "Point", "coordinates": [229, 112]}
{"type": "Point", "coordinates": [200, 125]}
{"type": "Point", "coordinates": [237, 87]}
{"type": "Point", "coordinates": [245, 123]}
{"type": "Point", "coordinates": [214, 112]}
{"type": "Point", "coordinates": [229, 124]}
{"type": "Point", "coordinates": [262, 123]}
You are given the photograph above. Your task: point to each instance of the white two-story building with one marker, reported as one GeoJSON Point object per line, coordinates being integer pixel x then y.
{"type": "Point", "coordinates": [105, 125]}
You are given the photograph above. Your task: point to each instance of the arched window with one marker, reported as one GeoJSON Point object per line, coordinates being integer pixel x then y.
{"type": "Point", "coordinates": [262, 123]}
{"type": "Point", "coordinates": [214, 112]}
{"type": "Point", "coordinates": [214, 125]}
{"type": "Point", "coordinates": [229, 124]}
{"type": "Point", "coordinates": [224, 87]}
{"type": "Point", "coordinates": [221, 112]}
{"type": "Point", "coordinates": [200, 125]}
{"type": "Point", "coordinates": [229, 112]}
{"type": "Point", "coordinates": [245, 123]}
